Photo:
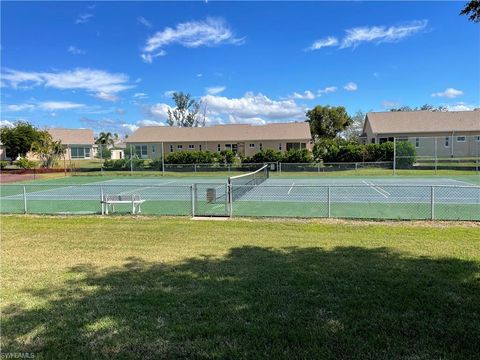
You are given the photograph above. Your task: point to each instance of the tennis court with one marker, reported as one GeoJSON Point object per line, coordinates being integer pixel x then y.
{"type": "Point", "coordinates": [254, 194]}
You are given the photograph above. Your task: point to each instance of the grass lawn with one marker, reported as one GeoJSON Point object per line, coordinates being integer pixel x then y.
{"type": "Point", "coordinates": [125, 287]}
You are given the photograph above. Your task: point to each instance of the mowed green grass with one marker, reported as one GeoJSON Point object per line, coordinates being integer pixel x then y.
{"type": "Point", "coordinates": [124, 287]}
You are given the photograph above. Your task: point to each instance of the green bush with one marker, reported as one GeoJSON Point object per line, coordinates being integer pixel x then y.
{"type": "Point", "coordinates": [227, 156]}
{"type": "Point", "coordinates": [25, 163]}
{"type": "Point", "coordinates": [120, 164]}
{"type": "Point", "coordinates": [268, 155]}
{"type": "Point", "coordinates": [406, 154]}
{"type": "Point", "coordinates": [297, 156]}
{"type": "Point", "coordinates": [3, 164]}
{"type": "Point", "coordinates": [193, 157]}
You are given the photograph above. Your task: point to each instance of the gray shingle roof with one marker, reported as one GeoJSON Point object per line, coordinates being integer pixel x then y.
{"type": "Point", "coordinates": [73, 136]}
{"type": "Point", "coordinates": [423, 121]}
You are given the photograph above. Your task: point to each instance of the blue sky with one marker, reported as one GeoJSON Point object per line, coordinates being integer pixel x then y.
{"type": "Point", "coordinates": [112, 65]}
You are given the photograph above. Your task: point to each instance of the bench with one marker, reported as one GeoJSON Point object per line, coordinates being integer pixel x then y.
{"type": "Point", "coordinates": [109, 201]}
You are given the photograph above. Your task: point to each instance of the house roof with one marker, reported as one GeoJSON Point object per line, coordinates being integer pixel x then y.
{"type": "Point", "coordinates": [73, 136]}
{"type": "Point", "coordinates": [234, 132]}
{"type": "Point", "coordinates": [423, 121]}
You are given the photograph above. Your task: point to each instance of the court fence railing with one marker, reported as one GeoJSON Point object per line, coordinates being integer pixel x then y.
{"type": "Point", "coordinates": [367, 201]}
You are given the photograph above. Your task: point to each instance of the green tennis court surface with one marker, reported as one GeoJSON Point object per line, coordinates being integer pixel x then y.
{"type": "Point", "coordinates": [348, 197]}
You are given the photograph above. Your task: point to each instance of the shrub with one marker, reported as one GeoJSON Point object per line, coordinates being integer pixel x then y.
{"type": "Point", "coordinates": [120, 164]}
{"type": "Point", "coordinates": [297, 156]}
{"type": "Point", "coordinates": [3, 164]}
{"type": "Point", "coordinates": [268, 155]}
{"type": "Point", "coordinates": [228, 156]}
{"type": "Point", "coordinates": [192, 157]}
{"type": "Point", "coordinates": [406, 154]}
{"type": "Point", "coordinates": [25, 163]}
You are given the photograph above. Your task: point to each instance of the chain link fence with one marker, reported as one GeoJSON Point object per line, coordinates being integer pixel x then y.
{"type": "Point", "coordinates": [368, 201]}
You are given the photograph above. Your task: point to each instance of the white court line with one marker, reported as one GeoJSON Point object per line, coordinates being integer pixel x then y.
{"type": "Point", "coordinates": [291, 187]}
{"type": "Point", "coordinates": [372, 186]}
{"type": "Point", "coordinates": [380, 188]}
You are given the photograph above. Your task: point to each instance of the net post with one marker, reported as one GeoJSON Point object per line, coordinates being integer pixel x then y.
{"type": "Point", "coordinates": [131, 160]}
{"type": "Point", "coordinates": [329, 202]}
{"type": "Point", "coordinates": [436, 159]}
{"type": "Point", "coordinates": [133, 205]}
{"type": "Point", "coordinates": [163, 161]}
{"type": "Point", "coordinates": [24, 199]}
{"type": "Point", "coordinates": [194, 167]}
{"type": "Point", "coordinates": [432, 203]}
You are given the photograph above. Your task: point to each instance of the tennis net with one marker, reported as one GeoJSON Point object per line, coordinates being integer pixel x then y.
{"type": "Point", "coordinates": [241, 184]}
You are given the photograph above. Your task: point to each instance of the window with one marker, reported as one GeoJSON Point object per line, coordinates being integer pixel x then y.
{"type": "Point", "coordinates": [383, 140]}
{"type": "Point", "coordinates": [373, 141]}
{"type": "Point", "coordinates": [417, 142]}
{"type": "Point", "coordinates": [171, 148]}
{"type": "Point", "coordinates": [477, 138]}
{"type": "Point", "coordinates": [191, 146]}
{"type": "Point", "coordinates": [461, 138]}
{"type": "Point", "coordinates": [200, 147]}
{"type": "Point", "coordinates": [261, 146]}
{"type": "Point", "coordinates": [280, 147]}
{"type": "Point", "coordinates": [153, 148]}
{"type": "Point", "coordinates": [219, 147]}
{"type": "Point", "coordinates": [179, 146]}
{"type": "Point", "coordinates": [77, 152]}
{"type": "Point", "coordinates": [447, 141]}
{"type": "Point", "coordinates": [141, 151]}
{"type": "Point", "coordinates": [251, 146]}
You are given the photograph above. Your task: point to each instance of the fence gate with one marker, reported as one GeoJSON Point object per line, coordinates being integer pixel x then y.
{"type": "Point", "coordinates": [209, 199]}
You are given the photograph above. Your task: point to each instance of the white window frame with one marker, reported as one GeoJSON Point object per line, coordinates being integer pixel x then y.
{"type": "Point", "coordinates": [154, 148]}
{"type": "Point", "coordinates": [219, 147]}
{"type": "Point", "coordinates": [461, 141]}
{"type": "Point", "coordinates": [251, 145]}
{"type": "Point", "coordinates": [171, 147]}
{"type": "Point", "coordinates": [446, 141]}
{"type": "Point", "coordinates": [477, 138]}
{"type": "Point", "coordinates": [179, 147]}
{"type": "Point", "coordinates": [261, 146]}
{"type": "Point", "coordinates": [199, 147]}
{"type": "Point", "coordinates": [280, 147]}
{"type": "Point", "coordinates": [417, 142]}
{"type": "Point", "coordinates": [191, 146]}
{"type": "Point", "coordinates": [141, 151]}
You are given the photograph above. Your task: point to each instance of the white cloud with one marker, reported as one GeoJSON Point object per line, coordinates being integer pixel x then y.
{"type": "Point", "coordinates": [106, 96]}
{"type": "Point", "coordinates": [45, 105]}
{"type": "Point", "coordinates": [381, 34]}
{"type": "Point", "coordinates": [148, 122]}
{"type": "Point", "coordinates": [327, 90]}
{"type": "Point", "coordinates": [19, 107]}
{"type": "Point", "coordinates": [83, 18]}
{"type": "Point", "coordinates": [460, 106]}
{"type": "Point", "coordinates": [253, 106]}
{"type": "Point", "coordinates": [351, 86]}
{"type": "Point", "coordinates": [6, 123]}
{"type": "Point", "coordinates": [101, 84]}
{"type": "Point", "coordinates": [210, 32]}
{"type": "Point", "coordinates": [159, 110]}
{"type": "Point", "coordinates": [306, 95]}
{"type": "Point", "coordinates": [76, 51]}
{"type": "Point", "coordinates": [377, 34]}
{"type": "Point", "coordinates": [59, 105]}
{"type": "Point", "coordinates": [318, 44]}
{"type": "Point", "coordinates": [148, 58]}
{"type": "Point", "coordinates": [140, 95]}
{"type": "Point", "coordinates": [376, 74]}
{"type": "Point", "coordinates": [214, 90]}
{"type": "Point", "coordinates": [448, 93]}
{"type": "Point", "coordinates": [130, 127]}
{"type": "Point", "coordinates": [390, 104]}
{"type": "Point", "coordinates": [144, 21]}
{"type": "Point", "coordinates": [199, 75]}
{"type": "Point", "coordinates": [169, 93]}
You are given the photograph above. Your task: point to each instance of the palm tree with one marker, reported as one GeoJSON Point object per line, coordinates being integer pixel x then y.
{"type": "Point", "coordinates": [105, 138]}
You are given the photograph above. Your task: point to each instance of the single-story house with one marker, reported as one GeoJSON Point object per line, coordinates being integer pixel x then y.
{"type": "Point", "coordinates": [444, 133]}
{"type": "Point", "coordinates": [79, 143]}
{"type": "Point", "coordinates": [242, 139]}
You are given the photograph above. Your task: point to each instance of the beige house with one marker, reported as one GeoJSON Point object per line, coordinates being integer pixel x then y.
{"type": "Point", "coordinates": [452, 133]}
{"type": "Point", "coordinates": [247, 140]}
{"type": "Point", "coordinates": [79, 143]}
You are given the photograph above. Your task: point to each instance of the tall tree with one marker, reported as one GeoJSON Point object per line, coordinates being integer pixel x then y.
{"type": "Point", "coordinates": [105, 138]}
{"type": "Point", "coordinates": [354, 130]}
{"type": "Point", "coordinates": [48, 150]}
{"type": "Point", "coordinates": [472, 10]}
{"type": "Point", "coordinates": [327, 121]}
{"type": "Point", "coordinates": [426, 107]}
{"type": "Point", "coordinates": [18, 139]}
{"type": "Point", "coordinates": [186, 112]}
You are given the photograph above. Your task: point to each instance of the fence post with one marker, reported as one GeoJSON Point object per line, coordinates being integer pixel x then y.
{"type": "Point", "coordinates": [194, 167]}
{"type": "Point", "coordinates": [279, 168]}
{"type": "Point", "coordinates": [230, 199]}
{"type": "Point", "coordinates": [394, 156]}
{"type": "Point", "coordinates": [24, 199]}
{"type": "Point", "coordinates": [432, 202]}
{"type": "Point", "coordinates": [436, 160]}
{"type": "Point", "coordinates": [102, 198]}
{"type": "Point", "coordinates": [329, 202]}
{"type": "Point", "coordinates": [192, 195]}
{"type": "Point", "coordinates": [356, 168]}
